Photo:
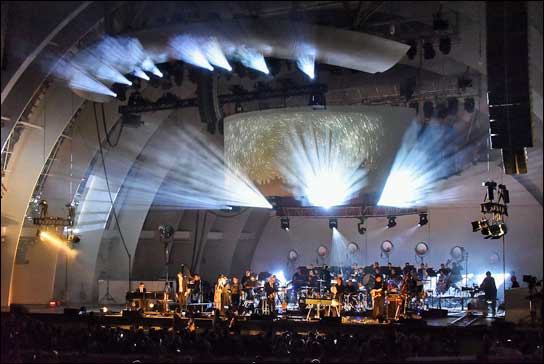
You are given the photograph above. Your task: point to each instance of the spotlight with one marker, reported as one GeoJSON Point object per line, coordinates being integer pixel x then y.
{"type": "Point", "coordinates": [445, 45]}
{"type": "Point", "coordinates": [476, 226]}
{"type": "Point", "coordinates": [74, 239]}
{"type": "Point", "coordinates": [469, 105]}
{"type": "Point", "coordinates": [318, 101]}
{"type": "Point", "coordinates": [103, 309]}
{"type": "Point", "coordinates": [284, 221]}
{"type": "Point", "coordinates": [428, 50]}
{"type": "Point", "coordinates": [503, 192]}
{"type": "Point", "coordinates": [361, 228]}
{"type": "Point", "coordinates": [333, 223]}
{"type": "Point", "coordinates": [412, 52]}
{"type": "Point", "coordinates": [497, 230]}
{"type": "Point", "coordinates": [428, 109]}
{"type": "Point", "coordinates": [423, 220]}
{"type": "Point", "coordinates": [391, 223]}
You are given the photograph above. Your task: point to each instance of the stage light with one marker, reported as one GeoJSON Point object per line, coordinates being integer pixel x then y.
{"type": "Point", "coordinates": [361, 228]}
{"type": "Point", "coordinates": [421, 249]}
{"type": "Point", "coordinates": [284, 222]}
{"type": "Point", "coordinates": [306, 64]}
{"type": "Point", "coordinates": [476, 226]}
{"type": "Point", "coordinates": [504, 194]}
{"type": "Point", "coordinates": [214, 53]}
{"type": "Point", "coordinates": [412, 52]}
{"type": "Point", "coordinates": [318, 101]}
{"type": "Point", "coordinates": [445, 45]}
{"type": "Point", "coordinates": [491, 185]}
{"type": "Point", "coordinates": [151, 305]}
{"type": "Point", "coordinates": [333, 223]}
{"type": "Point", "coordinates": [57, 242]}
{"type": "Point", "coordinates": [103, 309]}
{"type": "Point", "coordinates": [428, 50]}
{"type": "Point", "coordinates": [293, 255]}
{"type": "Point", "coordinates": [188, 49]}
{"type": "Point", "coordinates": [353, 247]}
{"type": "Point", "coordinates": [391, 222]}
{"type": "Point", "coordinates": [423, 220]}
{"type": "Point", "coordinates": [387, 246]}
{"type": "Point", "coordinates": [138, 72]}
{"type": "Point", "coordinates": [251, 58]}
{"type": "Point", "coordinates": [469, 104]}
{"type": "Point", "coordinates": [52, 304]}
{"type": "Point", "coordinates": [149, 66]}
{"type": "Point", "coordinates": [280, 277]}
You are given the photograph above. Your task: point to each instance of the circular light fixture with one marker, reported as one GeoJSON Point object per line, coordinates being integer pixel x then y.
{"type": "Point", "coordinates": [387, 246]}
{"type": "Point", "coordinates": [494, 258]}
{"type": "Point", "coordinates": [457, 253]}
{"type": "Point", "coordinates": [292, 255]}
{"type": "Point", "coordinates": [353, 247]}
{"type": "Point", "coordinates": [421, 248]}
{"type": "Point", "coordinates": [322, 251]}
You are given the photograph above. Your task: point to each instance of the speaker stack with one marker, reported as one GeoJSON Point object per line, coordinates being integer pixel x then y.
{"type": "Point", "coordinates": [508, 82]}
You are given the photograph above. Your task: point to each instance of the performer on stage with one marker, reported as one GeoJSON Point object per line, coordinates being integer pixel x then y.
{"type": "Point", "coordinates": [235, 292]}
{"type": "Point", "coordinates": [456, 276]}
{"type": "Point", "coordinates": [351, 288]}
{"type": "Point", "coordinates": [338, 289]}
{"type": "Point", "coordinates": [182, 287]}
{"type": "Point", "coordinates": [269, 288]}
{"type": "Point", "coordinates": [142, 301]}
{"type": "Point", "coordinates": [195, 289]}
{"type": "Point", "coordinates": [490, 289]}
{"type": "Point", "coordinates": [378, 297]}
{"type": "Point", "coordinates": [221, 293]}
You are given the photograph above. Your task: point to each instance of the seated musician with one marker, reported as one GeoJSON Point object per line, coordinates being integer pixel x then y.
{"type": "Point", "coordinates": [375, 266]}
{"type": "Point", "coordinates": [338, 289]}
{"type": "Point", "coordinates": [422, 272]}
{"type": "Point", "coordinates": [354, 271]}
{"type": "Point", "coordinates": [406, 268]}
{"type": "Point", "coordinates": [298, 279]}
{"type": "Point", "coordinates": [141, 288]}
{"type": "Point", "coordinates": [360, 286]}
{"type": "Point", "coordinates": [351, 288]}
{"type": "Point", "coordinates": [246, 277]}
{"type": "Point", "coordinates": [269, 288]}
{"type": "Point", "coordinates": [312, 279]}
{"type": "Point", "coordinates": [443, 270]}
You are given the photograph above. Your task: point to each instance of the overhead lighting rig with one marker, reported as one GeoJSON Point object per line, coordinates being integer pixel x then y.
{"type": "Point", "coordinates": [492, 224]}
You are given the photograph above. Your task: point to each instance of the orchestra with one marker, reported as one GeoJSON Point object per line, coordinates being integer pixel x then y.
{"type": "Point", "coordinates": [386, 291]}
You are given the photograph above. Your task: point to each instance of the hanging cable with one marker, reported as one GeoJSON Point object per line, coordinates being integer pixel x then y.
{"type": "Point", "coordinates": [113, 145]}
{"type": "Point", "coordinates": [111, 199]}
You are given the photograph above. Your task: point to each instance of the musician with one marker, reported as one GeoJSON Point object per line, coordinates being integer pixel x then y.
{"type": "Point", "coordinates": [235, 292]}
{"type": "Point", "coordinates": [350, 287]}
{"type": "Point", "coordinates": [354, 271]}
{"type": "Point", "coordinates": [269, 288]}
{"type": "Point", "coordinates": [195, 290]}
{"type": "Point", "coordinates": [490, 289]}
{"type": "Point", "coordinates": [298, 279]}
{"type": "Point", "coordinates": [338, 289]}
{"type": "Point", "coordinates": [422, 271]}
{"type": "Point", "coordinates": [514, 280]}
{"type": "Point", "coordinates": [455, 275]}
{"type": "Point", "coordinates": [375, 266]}
{"type": "Point", "coordinates": [182, 285]}
{"type": "Point", "coordinates": [221, 293]}
{"type": "Point", "coordinates": [407, 268]}
{"type": "Point", "coordinates": [246, 278]}
{"type": "Point", "coordinates": [142, 302]}
{"type": "Point", "coordinates": [312, 278]}
{"type": "Point", "coordinates": [378, 297]}
{"type": "Point", "coordinates": [443, 270]}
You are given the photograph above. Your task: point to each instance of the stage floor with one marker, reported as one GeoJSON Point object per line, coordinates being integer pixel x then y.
{"type": "Point", "coordinates": [293, 321]}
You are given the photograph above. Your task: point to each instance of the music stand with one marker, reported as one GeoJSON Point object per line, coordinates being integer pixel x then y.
{"type": "Point", "coordinates": [107, 296]}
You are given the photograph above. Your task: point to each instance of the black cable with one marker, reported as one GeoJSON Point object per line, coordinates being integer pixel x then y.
{"type": "Point", "coordinates": [113, 145]}
{"type": "Point", "coordinates": [111, 199]}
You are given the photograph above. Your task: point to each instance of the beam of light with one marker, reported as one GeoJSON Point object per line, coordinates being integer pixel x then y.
{"type": "Point", "coordinates": [138, 72]}
{"type": "Point", "coordinates": [215, 54]}
{"type": "Point", "coordinates": [251, 58]}
{"type": "Point", "coordinates": [280, 277]}
{"type": "Point", "coordinates": [189, 50]}
{"type": "Point", "coordinates": [57, 242]}
{"type": "Point", "coordinates": [78, 79]}
{"type": "Point", "coordinates": [149, 66]}
{"type": "Point", "coordinates": [197, 176]}
{"type": "Point", "coordinates": [320, 169]}
{"type": "Point", "coordinates": [340, 256]}
{"type": "Point", "coordinates": [305, 59]}
{"type": "Point", "coordinates": [98, 68]}
{"type": "Point", "coordinates": [426, 157]}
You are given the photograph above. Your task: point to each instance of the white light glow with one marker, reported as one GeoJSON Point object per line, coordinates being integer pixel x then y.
{"type": "Point", "coordinates": [251, 58]}
{"type": "Point", "coordinates": [426, 157]}
{"type": "Point", "coordinates": [280, 277]}
{"type": "Point", "coordinates": [138, 72]}
{"type": "Point", "coordinates": [57, 242]}
{"type": "Point", "coordinates": [319, 170]}
{"type": "Point", "coordinates": [188, 49]}
{"type": "Point", "coordinates": [306, 60]}
{"type": "Point", "coordinates": [149, 66]}
{"type": "Point", "coordinates": [215, 54]}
